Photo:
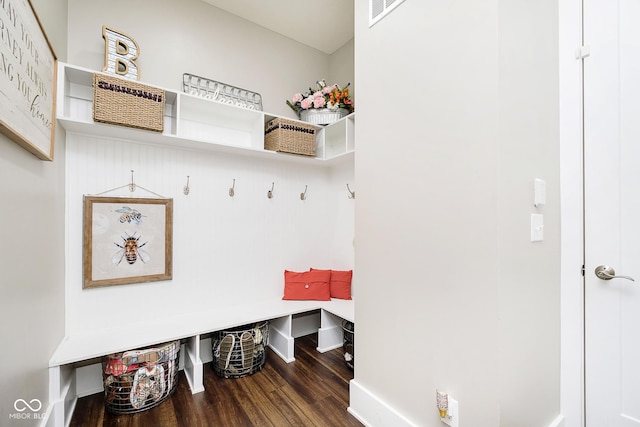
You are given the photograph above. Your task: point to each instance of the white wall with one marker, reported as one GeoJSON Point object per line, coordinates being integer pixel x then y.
{"type": "Point", "coordinates": [341, 68]}
{"type": "Point", "coordinates": [191, 36]}
{"type": "Point", "coordinates": [31, 259]}
{"type": "Point", "coordinates": [226, 251]}
{"type": "Point", "coordinates": [470, 305]}
{"type": "Point", "coordinates": [529, 272]}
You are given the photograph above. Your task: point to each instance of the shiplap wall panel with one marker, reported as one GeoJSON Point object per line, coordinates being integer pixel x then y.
{"type": "Point", "coordinates": [226, 250]}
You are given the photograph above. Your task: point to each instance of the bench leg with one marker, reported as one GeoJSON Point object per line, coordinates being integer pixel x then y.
{"type": "Point", "coordinates": [62, 396]}
{"type": "Point", "coordinates": [193, 369]}
{"type": "Point", "coordinates": [280, 339]}
{"type": "Point", "coordinates": [330, 332]}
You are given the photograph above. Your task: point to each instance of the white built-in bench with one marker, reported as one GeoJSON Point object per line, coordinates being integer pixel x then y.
{"type": "Point", "coordinates": [190, 327]}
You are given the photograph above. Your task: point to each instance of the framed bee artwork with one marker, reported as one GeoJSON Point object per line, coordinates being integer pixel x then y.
{"type": "Point", "coordinates": [126, 240]}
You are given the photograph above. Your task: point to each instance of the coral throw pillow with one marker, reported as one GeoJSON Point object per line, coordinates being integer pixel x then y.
{"type": "Point", "coordinates": [340, 283]}
{"type": "Point", "coordinates": [308, 285]}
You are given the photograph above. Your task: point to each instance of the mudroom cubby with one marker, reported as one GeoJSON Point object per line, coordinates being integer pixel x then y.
{"type": "Point", "coordinates": [230, 249]}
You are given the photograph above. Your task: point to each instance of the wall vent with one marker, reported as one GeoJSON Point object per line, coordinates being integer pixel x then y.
{"type": "Point", "coordinates": [378, 9]}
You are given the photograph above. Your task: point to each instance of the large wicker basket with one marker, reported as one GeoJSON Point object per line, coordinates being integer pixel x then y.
{"type": "Point", "coordinates": [127, 103]}
{"type": "Point", "coordinates": [289, 136]}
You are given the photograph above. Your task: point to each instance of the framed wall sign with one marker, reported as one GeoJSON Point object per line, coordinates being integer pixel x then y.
{"type": "Point", "coordinates": [27, 80]}
{"type": "Point", "coordinates": [126, 240]}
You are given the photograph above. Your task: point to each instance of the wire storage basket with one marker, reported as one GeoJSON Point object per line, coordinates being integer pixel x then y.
{"type": "Point", "coordinates": [241, 351]}
{"type": "Point", "coordinates": [323, 116]}
{"type": "Point", "coordinates": [348, 329]}
{"type": "Point", "coordinates": [138, 380]}
{"type": "Point", "coordinates": [289, 136]}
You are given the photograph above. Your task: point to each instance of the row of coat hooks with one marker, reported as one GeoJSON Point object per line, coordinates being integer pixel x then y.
{"type": "Point", "coordinates": [232, 189]}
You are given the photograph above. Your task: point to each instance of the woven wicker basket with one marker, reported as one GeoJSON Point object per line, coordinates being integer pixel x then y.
{"type": "Point", "coordinates": [127, 103]}
{"type": "Point", "coordinates": [290, 136]}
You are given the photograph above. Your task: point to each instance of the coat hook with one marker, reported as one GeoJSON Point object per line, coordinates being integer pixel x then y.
{"type": "Point", "coordinates": [132, 185]}
{"type": "Point", "coordinates": [186, 187]}
{"type": "Point", "coordinates": [352, 194]}
{"type": "Point", "coordinates": [270, 192]}
{"type": "Point", "coordinates": [303, 196]}
{"type": "Point", "coordinates": [232, 190]}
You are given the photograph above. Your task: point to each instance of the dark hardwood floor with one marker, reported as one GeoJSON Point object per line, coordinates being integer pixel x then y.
{"type": "Point", "coordinates": [311, 391]}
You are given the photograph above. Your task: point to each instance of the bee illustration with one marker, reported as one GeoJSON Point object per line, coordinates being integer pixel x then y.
{"type": "Point", "coordinates": [129, 215]}
{"type": "Point", "coordinates": [131, 250]}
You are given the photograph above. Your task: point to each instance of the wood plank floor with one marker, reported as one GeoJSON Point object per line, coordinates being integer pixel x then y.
{"type": "Point", "coordinates": [311, 391]}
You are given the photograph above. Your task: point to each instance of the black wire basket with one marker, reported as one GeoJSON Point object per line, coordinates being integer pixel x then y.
{"type": "Point", "coordinates": [348, 329]}
{"type": "Point", "coordinates": [241, 351]}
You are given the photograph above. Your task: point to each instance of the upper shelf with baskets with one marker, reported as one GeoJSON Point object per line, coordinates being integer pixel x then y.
{"type": "Point", "coordinates": [194, 122]}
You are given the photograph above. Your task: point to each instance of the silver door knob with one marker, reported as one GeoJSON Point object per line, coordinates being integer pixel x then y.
{"type": "Point", "coordinates": [605, 272]}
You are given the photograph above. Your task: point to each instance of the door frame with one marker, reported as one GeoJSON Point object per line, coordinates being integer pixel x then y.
{"type": "Point", "coordinates": [572, 347]}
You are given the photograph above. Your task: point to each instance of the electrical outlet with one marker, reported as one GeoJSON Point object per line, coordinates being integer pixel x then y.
{"type": "Point", "coordinates": [451, 419]}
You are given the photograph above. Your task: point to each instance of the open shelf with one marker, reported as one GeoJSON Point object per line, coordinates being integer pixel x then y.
{"type": "Point", "coordinates": [193, 122]}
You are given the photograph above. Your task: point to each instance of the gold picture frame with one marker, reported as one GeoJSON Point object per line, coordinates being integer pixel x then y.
{"type": "Point", "coordinates": [126, 240]}
{"type": "Point", "coordinates": [28, 81]}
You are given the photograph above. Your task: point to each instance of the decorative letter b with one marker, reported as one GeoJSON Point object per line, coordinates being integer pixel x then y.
{"type": "Point", "coordinates": [121, 52]}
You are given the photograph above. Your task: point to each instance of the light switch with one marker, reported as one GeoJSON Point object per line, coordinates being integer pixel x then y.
{"type": "Point", "coordinates": [539, 192]}
{"type": "Point", "coordinates": [537, 227]}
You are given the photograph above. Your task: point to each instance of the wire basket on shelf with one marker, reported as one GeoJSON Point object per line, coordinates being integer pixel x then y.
{"type": "Point", "coordinates": [323, 116]}
{"type": "Point", "coordinates": [138, 380]}
{"type": "Point", "coordinates": [348, 329]}
{"type": "Point", "coordinates": [241, 351]}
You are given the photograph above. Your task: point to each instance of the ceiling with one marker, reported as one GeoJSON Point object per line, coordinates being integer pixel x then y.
{"type": "Point", "coordinates": [325, 25]}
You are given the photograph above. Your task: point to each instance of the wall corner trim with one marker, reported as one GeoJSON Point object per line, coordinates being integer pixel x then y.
{"type": "Point", "coordinates": [372, 411]}
{"type": "Point", "coordinates": [558, 422]}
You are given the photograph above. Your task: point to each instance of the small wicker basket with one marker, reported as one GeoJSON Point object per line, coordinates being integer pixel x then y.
{"type": "Point", "coordinates": [127, 103]}
{"type": "Point", "coordinates": [289, 136]}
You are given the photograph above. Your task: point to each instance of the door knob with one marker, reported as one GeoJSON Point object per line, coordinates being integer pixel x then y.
{"type": "Point", "coordinates": [605, 272]}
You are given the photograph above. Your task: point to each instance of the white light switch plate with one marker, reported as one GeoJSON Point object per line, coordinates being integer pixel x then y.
{"type": "Point", "coordinates": [537, 227]}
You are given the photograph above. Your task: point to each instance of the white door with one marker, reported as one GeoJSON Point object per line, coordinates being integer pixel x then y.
{"type": "Point", "coordinates": [612, 212]}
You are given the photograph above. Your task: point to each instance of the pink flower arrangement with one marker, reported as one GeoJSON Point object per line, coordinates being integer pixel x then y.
{"type": "Point", "coordinates": [331, 97]}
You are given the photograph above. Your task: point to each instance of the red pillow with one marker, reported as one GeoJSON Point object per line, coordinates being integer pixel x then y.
{"type": "Point", "coordinates": [308, 285]}
{"type": "Point", "coordinates": [340, 283]}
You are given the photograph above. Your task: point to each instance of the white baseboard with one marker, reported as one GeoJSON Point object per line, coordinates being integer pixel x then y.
{"type": "Point", "coordinates": [371, 411]}
{"type": "Point", "coordinates": [558, 422]}
{"type": "Point", "coordinates": [282, 356]}
{"type": "Point", "coordinates": [325, 349]}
